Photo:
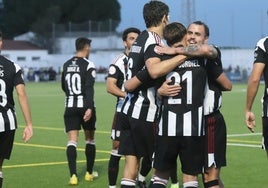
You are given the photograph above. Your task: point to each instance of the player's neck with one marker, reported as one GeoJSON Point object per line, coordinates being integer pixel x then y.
{"type": "Point", "coordinates": [158, 30]}
{"type": "Point", "coordinates": [81, 54]}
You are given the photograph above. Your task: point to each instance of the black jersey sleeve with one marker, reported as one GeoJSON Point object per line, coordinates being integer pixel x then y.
{"type": "Point", "coordinates": [18, 78]}
{"type": "Point", "coordinates": [151, 52]}
{"type": "Point", "coordinates": [260, 55]}
{"type": "Point", "coordinates": [89, 85]}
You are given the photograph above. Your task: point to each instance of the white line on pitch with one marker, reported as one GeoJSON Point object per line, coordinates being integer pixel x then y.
{"type": "Point", "coordinates": [245, 134]}
{"type": "Point", "coordinates": [244, 145]}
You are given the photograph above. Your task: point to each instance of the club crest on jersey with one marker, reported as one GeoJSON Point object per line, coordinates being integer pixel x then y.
{"type": "Point", "coordinates": [93, 73]}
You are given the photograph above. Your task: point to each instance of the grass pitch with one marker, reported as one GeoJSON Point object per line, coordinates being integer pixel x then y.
{"type": "Point", "coordinates": [42, 162]}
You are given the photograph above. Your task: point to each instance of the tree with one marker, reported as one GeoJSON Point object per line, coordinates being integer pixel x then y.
{"type": "Point", "coordinates": [20, 16]}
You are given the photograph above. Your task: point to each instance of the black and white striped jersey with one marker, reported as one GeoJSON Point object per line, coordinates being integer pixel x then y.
{"type": "Point", "coordinates": [118, 70]}
{"type": "Point", "coordinates": [213, 92]}
{"type": "Point", "coordinates": [77, 81]}
{"type": "Point", "coordinates": [261, 56]}
{"type": "Point", "coordinates": [10, 76]}
{"type": "Point", "coordinates": [183, 115]}
{"type": "Point", "coordinates": [141, 104]}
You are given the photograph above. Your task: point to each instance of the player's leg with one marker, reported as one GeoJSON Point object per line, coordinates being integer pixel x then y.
{"type": "Point", "coordinates": [174, 177]}
{"type": "Point", "coordinates": [6, 145]}
{"type": "Point", "coordinates": [130, 171]}
{"type": "Point", "coordinates": [1, 173]}
{"type": "Point", "coordinates": [90, 152]}
{"type": "Point", "coordinates": [165, 158]}
{"type": "Point", "coordinates": [113, 165]}
{"type": "Point", "coordinates": [211, 177]}
{"type": "Point", "coordinates": [146, 166]}
{"type": "Point", "coordinates": [71, 151]}
{"type": "Point", "coordinates": [215, 151]}
{"type": "Point", "coordinates": [192, 159]}
{"type": "Point", "coordinates": [265, 134]}
{"type": "Point", "coordinates": [90, 147]}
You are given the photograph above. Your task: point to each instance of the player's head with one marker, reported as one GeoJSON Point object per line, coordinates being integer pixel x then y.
{"type": "Point", "coordinates": [129, 36]}
{"type": "Point", "coordinates": [197, 33]}
{"type": "Point", "coordinates": [82, 44]}
{"type": "Point", "coordinates": [128, 31]}
{"type": "Point", "coordinates": [174, 34]}
{"type": "Point", "coordinates": [154, 13]}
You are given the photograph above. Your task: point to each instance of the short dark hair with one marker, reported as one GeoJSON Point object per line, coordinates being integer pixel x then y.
{"type": "Point", "coordinates": [130, 30]}
{"type": "Point", "coordinates": [203, 24]}
{"type": "Point", "coordinates": [153, 12]}
{"type": "Point", "coordinates": [81, 42]}
{"type": "Point", "coordinates": [174, 32]}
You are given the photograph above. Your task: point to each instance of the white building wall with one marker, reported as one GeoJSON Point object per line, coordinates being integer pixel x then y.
{"type": "Point", "coordinates": [66, 45]}
{"type": "Point", "coordinates": [29, 58]}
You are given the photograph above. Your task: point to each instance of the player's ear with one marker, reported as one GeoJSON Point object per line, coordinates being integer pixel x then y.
{"type": "Point", "coordinates": [165, 19]}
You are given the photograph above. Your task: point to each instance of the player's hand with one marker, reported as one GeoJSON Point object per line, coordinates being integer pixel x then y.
{"type": "Point", "coordinates": [27, 133]}
{"type": "Point", "coordinates": [87, 115]}
{"type": "Point", "coordinates": [169, 90]}
{"type": "Point", "coordinates": [250, 120]}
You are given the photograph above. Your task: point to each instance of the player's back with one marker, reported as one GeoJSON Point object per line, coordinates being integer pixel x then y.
{"type": "Point", "coordinates": [182, 115]}
{"type": "Point", "coordinates": [141, 104]}
{"type": "Point", "coordinates": [77, 78]}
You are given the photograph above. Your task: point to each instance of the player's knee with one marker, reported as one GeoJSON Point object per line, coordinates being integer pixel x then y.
{"type": "Point", "coordinates": [91, 142]}
{"type": "Point", "coordinates": [211, 183]}
{"type": "Point", "coordinates": [190, 184]}
{"type": "Point", "coordinates": [72, 143]}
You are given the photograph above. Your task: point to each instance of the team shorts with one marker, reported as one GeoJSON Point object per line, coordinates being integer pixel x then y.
{"type": "Point", "coordinates": [265, 133]}
{"type": "Point", "coordinates": [6, 143]}
{"type": "Point", "coordinates": [190, 150]}
{"type": "Point", "coordinates": [117, 126]}
{"type": "Point", "coordinates": [73, 119]}
{"type": "Point", "coordinates": [215, 142]}
{"type": "Point", "coordinates": [137, 138]}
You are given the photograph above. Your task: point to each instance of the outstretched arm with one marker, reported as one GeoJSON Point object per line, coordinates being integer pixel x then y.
{"type": "Point", "coordinates": [205, 50]}
{"type": "Point", "coordinates": [158, 68]}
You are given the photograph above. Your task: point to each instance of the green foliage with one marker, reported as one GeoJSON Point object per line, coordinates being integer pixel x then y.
{"type": "Point", "coordinates": [42, 162]}
{"type": "Point", "coordinates": [20, 16]}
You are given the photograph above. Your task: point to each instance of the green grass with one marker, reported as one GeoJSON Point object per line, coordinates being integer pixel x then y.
{"type": "Point", "coordinates": [42, 162]}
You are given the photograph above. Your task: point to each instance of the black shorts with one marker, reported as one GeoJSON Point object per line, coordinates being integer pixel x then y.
{"type": "Point", "coordinates": [190, 150]}
{"type": "Point", "coordinates": [73, 119]}
{"type": "Point", "coordinates": [215, 147]}
{"type": "Point", "coordinates": [265, 133]}
{"type": "Point", "coordinates": [117, 126]}
{"type": "Point", "coordinates": [6, 143]}
{"type": "Point", "coordinates": [137, 138]}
